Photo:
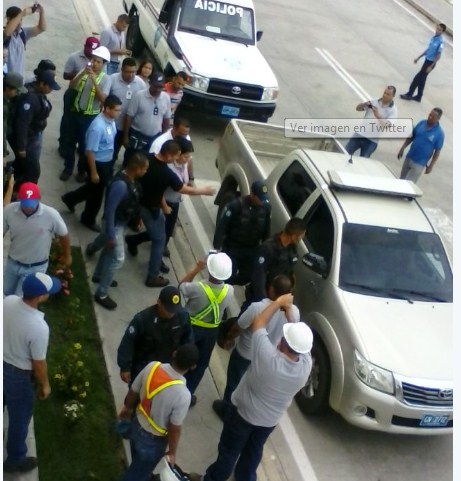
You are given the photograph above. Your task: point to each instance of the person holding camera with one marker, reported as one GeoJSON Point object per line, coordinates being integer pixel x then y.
{"type": "Point", "coordinates": [15, 37]}
{"type": "Point", "coordinates": [381, 109]}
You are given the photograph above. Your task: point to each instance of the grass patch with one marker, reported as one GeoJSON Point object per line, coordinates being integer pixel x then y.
{"type": "Point", "coordinates": [87, 449]}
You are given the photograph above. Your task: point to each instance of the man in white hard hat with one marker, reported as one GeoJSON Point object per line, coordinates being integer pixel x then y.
{"type": "Point", "coordinates": [92, 86]}
{"type": "Point", "coordinates": [265, 392]}
{"type": "Point", "coordinates": [206, 301]}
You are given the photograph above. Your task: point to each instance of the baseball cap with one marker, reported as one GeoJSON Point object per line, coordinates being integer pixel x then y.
{"type": "Point", "coordinates": [48, 77]}
{"type": "Point", "coordinates": [157, 78]}
{"type": "Point", "coordinates": [45, 64]}
{"type": "Point", "coordinates": [38, 284]}
{"type": "Point", "coordinates": [259, 189]}
{"type": "Point", "coordinates": [170, 297]}
{"type": "Point", "coordinates": [29, 194]}
{"type": "Point", "coordinates": [15, 80]}
{"type": "Point", "coordinates": [91, 42]}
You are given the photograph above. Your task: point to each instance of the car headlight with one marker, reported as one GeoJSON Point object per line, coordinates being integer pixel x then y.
{"type": "Point", "coordinates": [199, 82]}
{"type": "Point", "coordinates": [372, 375]}
{"type": "Point", "coordinates": [270, 93]}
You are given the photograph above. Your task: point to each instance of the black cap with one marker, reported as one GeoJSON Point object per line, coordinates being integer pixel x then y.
{"type": "Point", "coordinates": [157, 78]}
{"type": "Point", "coordinates": [170, 297]}
{"type": "Point", "coordinates": [45, 65]}
{"type": "Point", "coordinates": [259, 189]}
{"type": "Point", "coordinates": [48, 77]}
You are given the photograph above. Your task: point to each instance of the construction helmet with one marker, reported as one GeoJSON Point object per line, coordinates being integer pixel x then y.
{"type": "Point", "coordinates": [219, 266]}
{"type": "Point", "coordinates": [298, 336]}
{"type": "Point", "coordinates": [171, 473]}
{"type": "Point", "coordinates": [102, 52]}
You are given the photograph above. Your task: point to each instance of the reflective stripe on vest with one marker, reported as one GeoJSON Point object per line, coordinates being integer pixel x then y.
{"type": "Point", "coordinates": [154, 385]}
{"type": "Point", "coordinates": [88, 110]}
{"type": "Point", "coordinates": [197, 319]}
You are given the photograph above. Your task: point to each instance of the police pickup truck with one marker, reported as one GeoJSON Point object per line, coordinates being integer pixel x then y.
{"type": "Point", "coordinates": [215, 44]}
{"type": "Point", "coordinates": [375, 283]}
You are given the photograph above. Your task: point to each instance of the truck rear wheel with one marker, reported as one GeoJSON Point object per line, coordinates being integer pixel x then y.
{"type": "Point", "coordinates": [313, 397]}
{"type": "Point", "coordinates": [134, 40]}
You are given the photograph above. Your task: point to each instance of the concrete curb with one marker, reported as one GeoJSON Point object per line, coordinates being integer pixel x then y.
{"type": "Point", "coordinates": [429, 15]}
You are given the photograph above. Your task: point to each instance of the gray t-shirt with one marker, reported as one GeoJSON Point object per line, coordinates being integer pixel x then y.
{"type": "Point", "coordinates": [196, 299]}
{"type": "Point", "coordinates": [168, 406]}
{"type": "Point", "coordinates": [124, 92]}
{"type": "Point", "coordinates": [274, 327]}
{"type": "Point", "coordinates": [147, 113]}
{"type": "Point", "coordinates": [268, 386]}
{"type": "Point", "coordinates": [113, 40]}
{"type": "Point", "coordinates": [16, 49]}
{"type": "Point", "coordinates": [31, 236]}
{"type": "Point", "coordinates": [104, 84]}
{"type": "Point", "coordinates": [25, 333]}
{"type": "Point", "coordinates": [76, 62]}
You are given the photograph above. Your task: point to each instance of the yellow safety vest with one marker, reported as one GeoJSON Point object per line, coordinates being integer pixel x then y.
{"type": "Point", "coordinates": [88, 110]}
{"type": "Point", "coordinates": [155, 384]}
{"type": "Point", "coordinates": [213, 306]}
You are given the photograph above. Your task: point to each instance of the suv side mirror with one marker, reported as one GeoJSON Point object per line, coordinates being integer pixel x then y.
{"type": "Point", "coordinates": [163, 17]}
{"type": "Point", "coordinates": [316, 262]}
{"type": "Point", "coordinates": [259, 34]}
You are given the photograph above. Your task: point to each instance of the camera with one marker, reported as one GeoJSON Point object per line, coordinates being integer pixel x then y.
{"type": "Point", "coordinates": [34, 7]}
{"type": "Point", "coordinates": [369, 105]}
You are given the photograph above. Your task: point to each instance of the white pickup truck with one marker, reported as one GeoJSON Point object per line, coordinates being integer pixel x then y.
{"type": "Point", "coordinates": [375, 283]}
{"type": "Point", "coordinates": [215, 44]}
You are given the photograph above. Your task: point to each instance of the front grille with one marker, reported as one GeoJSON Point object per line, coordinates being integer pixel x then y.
{"type": "Point", "coordinates": [230, 89]}
{"type": "Point", "coordinates": [426, 396]}
{"type": "Point", "coordinates": [415, 423]}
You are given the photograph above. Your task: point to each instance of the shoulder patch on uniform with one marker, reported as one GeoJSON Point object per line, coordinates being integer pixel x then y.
{"type": "Point", "coordinates": [26, 106]}
{"type": "Point", "coordinates": [295, 259]}
{"type": "Point", "coordinates": [131, 330]}
{"type": "Point", "coordinates": [228, 213]}
{"type": "Point", "coordinates": [261, 260]}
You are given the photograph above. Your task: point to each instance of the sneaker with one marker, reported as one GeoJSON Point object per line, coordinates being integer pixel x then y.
{"type": "Point", "coordinates": [28, 464]}
{"type": "Point", "coordinates": [97, 280]}
{"type": "Point", "coordinates": [94, 227]}
{"type": "Point", "coordinates": [65, 175]}
{"type": "Point", "coordinates": [405, 97]}
{"type": "Point", "coordinates": [132, 247]}
{"type": "Point", "coordinates": [157, 281]}
{"type": "Point", "coordinates": [164, 268]}
{"type": "Point", "coordinates": [166, 252]}
{"type": "Point", "coordinates": [105, 302]}
{"type": "Point", "coordinates": [70, 206]}
{"type": "Point", "coordinates": [193, 400]}
{"type": "Point", "coordinates": [416, 98]}
{"type": "Point", "coordinates": [80, 177]}
{"type": "Point", "coordinates": [218, 408]}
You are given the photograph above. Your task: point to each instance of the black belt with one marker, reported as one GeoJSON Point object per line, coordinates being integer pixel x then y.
{"type": "Point", "coordinates": [26, 372]}
{"type": "Point", "coordinates": [34, 264]}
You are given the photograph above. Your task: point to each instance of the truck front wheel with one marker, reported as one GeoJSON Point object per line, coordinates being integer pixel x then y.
{"type": "Point", "coordinates": [313, 397]}
{"type": "Point", "coordinates": [134, 40]}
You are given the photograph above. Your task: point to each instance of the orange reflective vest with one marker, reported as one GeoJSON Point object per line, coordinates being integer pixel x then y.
{"type": "Point", "coordinates": [157, 381]}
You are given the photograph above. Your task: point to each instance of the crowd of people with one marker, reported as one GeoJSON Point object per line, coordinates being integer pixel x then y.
{"type": "Point", "coordinates": [113, 101]}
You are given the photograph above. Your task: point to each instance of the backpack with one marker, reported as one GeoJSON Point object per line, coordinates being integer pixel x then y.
{"type": "Point", "coordinates": [22, 34]}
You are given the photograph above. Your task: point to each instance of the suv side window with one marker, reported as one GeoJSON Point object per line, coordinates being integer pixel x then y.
{"type": "Point", "coordinates": [320, 232]}
{"type": "Point", "coordinates": [294, 187]}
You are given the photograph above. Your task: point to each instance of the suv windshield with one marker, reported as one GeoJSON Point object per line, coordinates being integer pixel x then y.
{"type": "Point", "coordinates": [217, 19]}
{"type": "Point", "coordinates": [387, 262]}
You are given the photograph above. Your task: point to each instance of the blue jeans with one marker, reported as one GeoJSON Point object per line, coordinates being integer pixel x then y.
{"type": "Point", "coordinates": [113, 67]}
{"type": "Point", "coordinates": [154, 222]}
{"type": "Point", "coordinates": [147, 451]}
{"type": "Point", "coordinates": [241, 445]}
{"type": "Point", "coordinates": [205, 340]}
{"type": "Point", "coordinates": [18, 395]}
{"type": "Point", "coordinates": [366, 146]}
{"type": "Point", "coordinates": [15, 274]}
{"type": "Point", "coordinates": [235, 370]}
{"type": "Point", "coordinates": [109, 260]}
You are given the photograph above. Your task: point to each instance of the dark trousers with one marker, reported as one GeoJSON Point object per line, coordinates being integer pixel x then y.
{"type": "Point", "coordinates": [18, 395]}
{"type": "Point", "coordinates": [419, 81]}
{"type": "Point", "coordinates": [205, 340]}
{"type": "Point", "coordinates": [242, 264]}
{"type": "Point", "coordinates": [118, 142]}
{"type": "Point", "coordinates": [92, 193]}
{"type": "Point", "coordinates": [171, 219]}
{"type": "Point", "coordinates": [77, 127]}
{"type": "Point", "coordinates": [27, 169]}
{"type": "Point", "coordinates": [235, 370]}
{"type": "Point", "coordinates": [64, 127]}
{"type": "Point", "coordinates": [241, 445]}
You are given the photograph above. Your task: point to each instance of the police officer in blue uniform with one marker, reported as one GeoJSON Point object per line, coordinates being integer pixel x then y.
{"type": "Point", "coordinates": [244, 224]}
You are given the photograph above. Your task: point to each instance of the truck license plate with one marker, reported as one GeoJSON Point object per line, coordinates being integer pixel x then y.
{"type": "Point", "coordinates": [430, 420]}
{"type": "Point", "coordinates": [230, 111]}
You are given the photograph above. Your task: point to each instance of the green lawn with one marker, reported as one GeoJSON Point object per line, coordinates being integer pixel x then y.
{"type": "Point", "coordinates": [88, 449]}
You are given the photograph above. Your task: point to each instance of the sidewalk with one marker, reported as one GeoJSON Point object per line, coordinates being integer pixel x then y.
{"type": "Point", "coordinates": [437, 11]}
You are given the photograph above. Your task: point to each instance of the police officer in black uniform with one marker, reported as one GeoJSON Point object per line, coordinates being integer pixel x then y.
{"type": "Point", "coordinates": [244, 224]}
{"type": "Point", "coordinates": [277, 255]}
{"type": "Point", "coordinates": [32, 111]}
{"type": "Point", "coordinates": [154, 334]}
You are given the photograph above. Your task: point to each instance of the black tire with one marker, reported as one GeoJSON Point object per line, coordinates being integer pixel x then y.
{"type": "Point", "coordinates": [313, 398]}
{"type": "Point", "coordinates": [134, 40]}
{"type": "Point", "coordinates": [227, 197]}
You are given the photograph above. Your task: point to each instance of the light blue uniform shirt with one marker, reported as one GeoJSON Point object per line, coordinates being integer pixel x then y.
{"type": "Point", "coordinates": [435, 47]}
{"type": "Point", "coordinates": [100, 138]}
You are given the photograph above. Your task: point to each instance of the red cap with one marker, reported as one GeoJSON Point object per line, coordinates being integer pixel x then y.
{"type": "Point", "coordinates": [29, 190]}
{"type": "Point", "coordinates": [91, 42]}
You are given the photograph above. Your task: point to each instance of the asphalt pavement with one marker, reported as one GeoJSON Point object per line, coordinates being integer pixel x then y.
{"type": "Point", "coordinates": [198, 445]}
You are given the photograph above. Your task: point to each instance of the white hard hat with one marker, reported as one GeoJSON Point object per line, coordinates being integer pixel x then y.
{"type": "Point", "coordinates": [219, 266]}
{"type": "Point", "coordinates": [298, 336]}
{"type": "Point", "coordinates": [102, 52]}
{"type": "Point", "coordinates": [166, 473]}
